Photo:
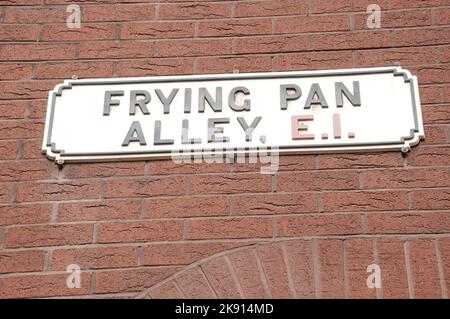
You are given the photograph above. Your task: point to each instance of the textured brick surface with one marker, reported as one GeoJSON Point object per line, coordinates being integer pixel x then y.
{"type": "Point", "coordinates": [424, 268]}
{"type": "Point", "coordinates": [159, 229]}
{"type": "Point", "coordinates": [95, 258]}
{"type": "Point", "coordinates": [392, 260]}
{"type": "Point", "coordinates": [359, 254]}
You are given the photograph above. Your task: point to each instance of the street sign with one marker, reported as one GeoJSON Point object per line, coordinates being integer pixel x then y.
{"type": "Point", "coordinates": [293, 112]}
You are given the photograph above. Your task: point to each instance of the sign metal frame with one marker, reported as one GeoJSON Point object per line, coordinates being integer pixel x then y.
{"type": "Point", "coordinates": [404, 144]}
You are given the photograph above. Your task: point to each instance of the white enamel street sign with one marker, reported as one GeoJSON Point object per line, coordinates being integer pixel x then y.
{"type": "Point", "coordinates": [296, 112]}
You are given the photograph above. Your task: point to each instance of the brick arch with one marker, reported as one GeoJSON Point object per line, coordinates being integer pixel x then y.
{"type": "Point", "coordinates": [300, 268]}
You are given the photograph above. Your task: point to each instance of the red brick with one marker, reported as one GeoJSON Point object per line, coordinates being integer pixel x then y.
{"type": "Point", "coordinates": [430, 95]}
{"type": "Point", "coordinates": [272, 44]}
{"type": "Point", "coordinates": [431, 199]}
{"type": "Point", "coordinates": [193, 284]}
{"type": "Point", "coordinates": [15, 71]}
{"type": "Point", "coordinates": [170, 66]}
{"type": "Point", "coordinates": [397, 19]}
{"type": "Point", "coordinates": [432, 74]}
{"type": "Point", "coordinates": [42, 285]}
{"type": "Point", "coordinates": [245, 263]}
{"type": "Point", "coordinates": [300, 260]}
{"type": "Point", "coordinates": [27, 170]}
{"type": "Point", "coordinates": [118, 13]}
{"type": "Point", "coordinates": [355, 40]}
{"type": "Point", "coordinates": [2, 236]}
{"type": "Point", "coordinates": [406, 178]}
{"type": "Point", "coordinates": [394, 280]}
{"type": "Point", "coordinates": [443, 15]}
{"type": "Point", "coordinates": [359, 255]}
{"type": "Point", "coordinates": [167, 290]}
{"type": "Point", "coordinates": [143, 187]}
{"type": "Point", "coordinates": [404, 56]}
{"type": "Point", "coordinates": [6, 193]}
{"type": "Point", "coordinates": [424, 156]}
{"type": "Point", "coordinates": [95, 258]}
{"type": "Point", "coordinates": [25, 214]}
{"type": "Point", "coordinates": [225, 228]}
{"type": "Point", "coordinates": [312, 24]}
{"type": "Point", "coordinates": [325, 6]}
{"type": "Point", "coordinates": [41, 51]}
{"type": "Point", "coordinates": [424, 36]}
{"type": "Point", "coordinates": [140, 207]}
{"type": "Point", "coordinates": [21, 129]}
{"type": "Point", "coordinates": [424, 268]}
{"type": "Point", "coordinates": [221, 279]}
{"type": "Point", "coordinates": [164, 167]}
{"type": "Point", "coordinates": [8, 150]}
{"type": "Point", "coordinates": [156, 30]}
{"type": "Point", "coordinates": [110, 1]}
{"type": "Point", "coordinates": [34, 15]}
{"type": "Point", "coordinates": [88, 31]}
{"type": "Point", "coordinates": [446, 93]}
{"type": "Point", "coordinates": [229, 64]}
{"type": "Point", "coordinates": [22, 261]}
{"type": "Point", "coordinates": [434, 135]}
{"type": "Point", "coordinates": [444, 246]}
{"type": "Point", "coordinates": [409, 222]}
{"type": "Point", "coordinates": [66, 70]}
{"type": "Point", "coordinates": [184, 253]}
{"type": "Point", "coordinates": [13, 110]}
{"type": "Point", "coordinates": [297, 162]}
{"type": "Point", "coordinates": [317, 180]}
{"type": "Point", "coordinates": [234, 28]}
{"type": "Point", "coordinates": [286, 163]}
{"type": "Point", "coordinates": [109, 169]}
{"type": "Point", "coordinates": [186, 207]}
{"type": "Point", "coordinates": [116, 50]}
{"type": "Point", "coordinates": [16, 33]}
{"type": "Point", "coordinates": [26, 89]}
{"type": "Point", "coordinates": [99, 210]}
{"type": "Point", "coordinates": [331, 269]}
{"type": "Point", "coordinates": [157, 230]}
{"type": "Point", "coordinates": [367, 201]}
{"type": "Point", "coordinates": [180, 48]}
{"type": "Point", "coordinates": [51, 191]}
{"type": "Point", "coordinates": [194, 11]}
{"type": "Point", "coordinates": [444, 54]}
{"type": "Point", "coordinates": [436, 114]}
{"type": "Point", "coordinates": [120, 281]}
{"type": "Point", "coordinates": [270, 8]}
{"type": "Point", "coordinates": [272, 261]}
{"type": "Point", "coordinates": [38, 110]}
{"type": "Point", "coordinates": [21, 2]}
{"type": "Point", "coordinates": [403, 4]}
{"type": "Point", "coordinates": [274, 204]}
{"type": "Point", "coordinates": [363, 160]}
{"type": "Point", "coordinates": [228, 184]}
{"type": "Point", "coordinates": [111, 296]}
{"type": "Point", "coordinates": [49, 235]}
{"type": "Point", "coordinates": [32, 149]}
{"type": "Point", "coordinates": [319, 225]}
{"type": "Point", "coordinates": [314, 61]}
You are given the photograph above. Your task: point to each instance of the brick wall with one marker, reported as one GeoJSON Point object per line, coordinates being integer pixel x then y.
{"type": "Point", "coordinates": [163, 230]}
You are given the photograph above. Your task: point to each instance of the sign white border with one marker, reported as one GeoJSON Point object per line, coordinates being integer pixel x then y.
{"type": "Point", "coordinates": [404, 144]}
